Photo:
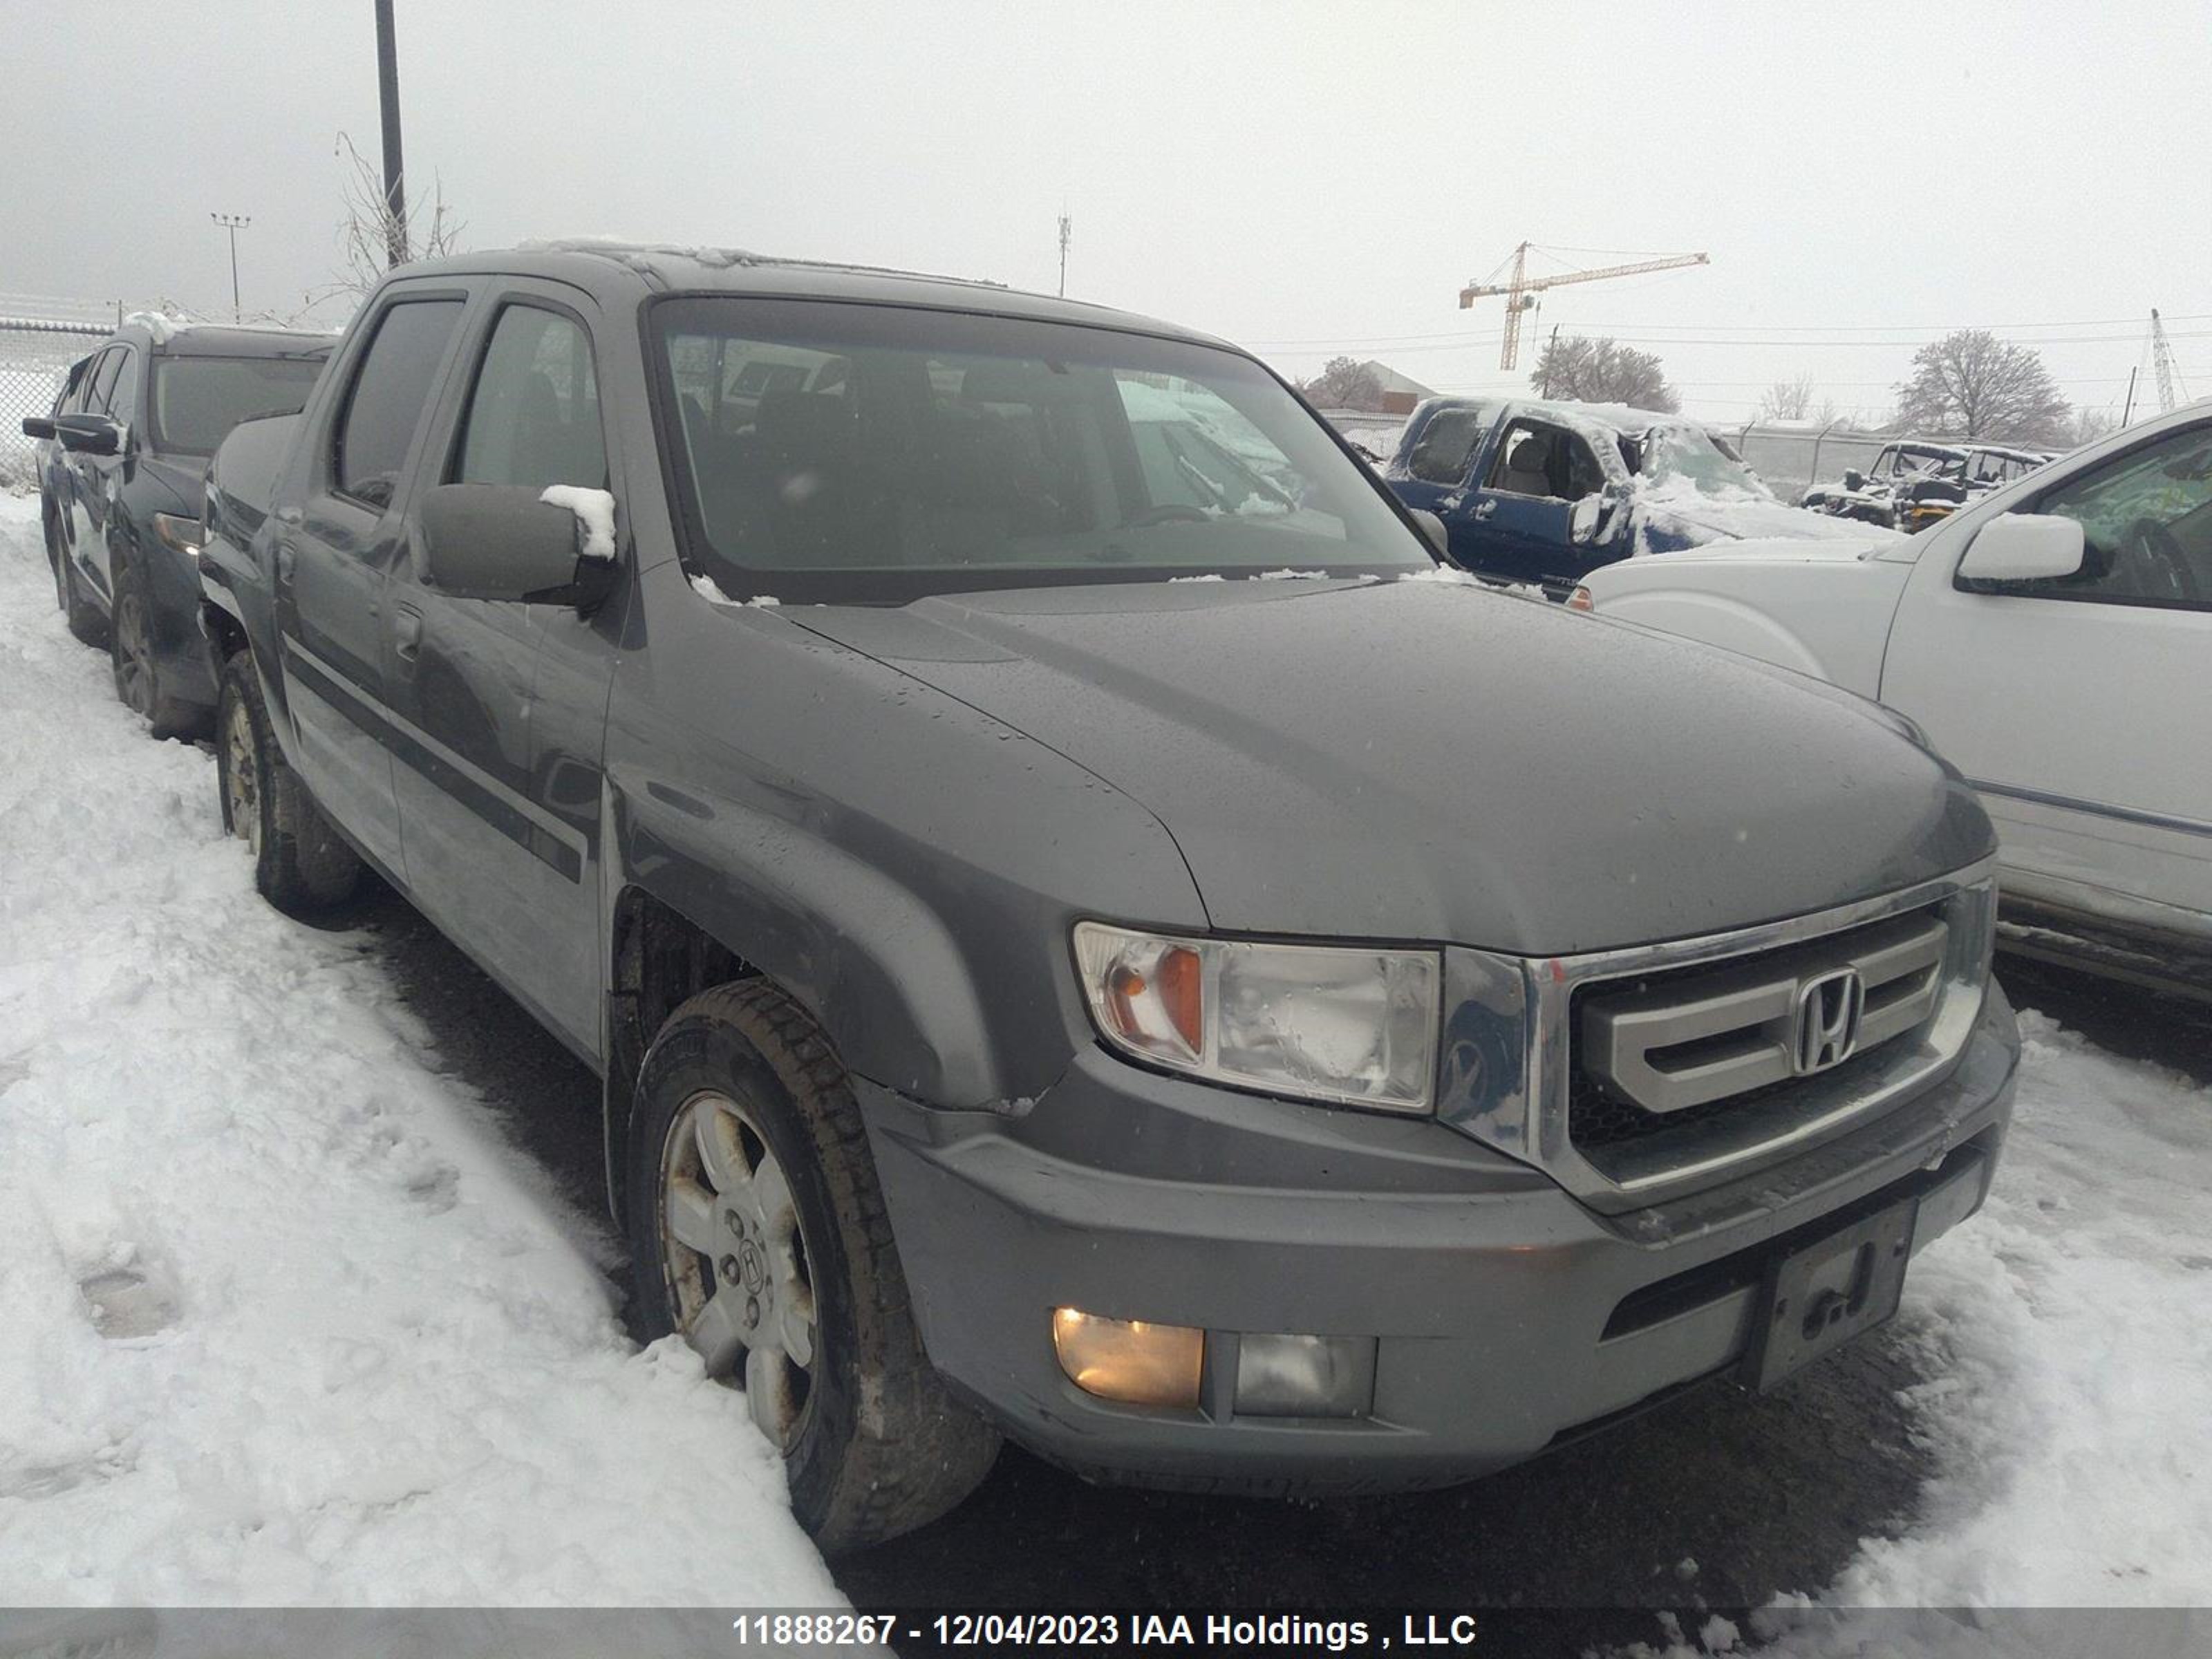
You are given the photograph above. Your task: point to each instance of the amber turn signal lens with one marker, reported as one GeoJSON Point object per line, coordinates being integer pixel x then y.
{"type": "Point", "coordinates": [1130, 1360]}
{"type": "Point", "coordinates": [1580, 600]}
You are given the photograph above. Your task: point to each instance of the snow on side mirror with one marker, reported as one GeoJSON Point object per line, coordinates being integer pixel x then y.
{"type": "Point", "coordinates": [2019, 547]}
{"type": "Point", "coordinates": [1589, 513]}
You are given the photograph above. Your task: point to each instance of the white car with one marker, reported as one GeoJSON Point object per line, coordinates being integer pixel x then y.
{"type": "Point", "coordinates": [2054, 639]}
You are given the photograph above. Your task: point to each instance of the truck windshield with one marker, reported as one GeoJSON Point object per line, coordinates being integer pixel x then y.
{"type": "Point", "coordinates": [1695, 456]}
{"type": "Point", "coordinates": [843, 453]}
{"type": "Point", "coordinates": [197, 400]}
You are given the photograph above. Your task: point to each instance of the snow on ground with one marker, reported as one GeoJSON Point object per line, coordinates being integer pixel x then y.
{"type": "Point", "coordinates": [285, 1320]}
{"type": "Point", "coordinates": [2065, 1338]}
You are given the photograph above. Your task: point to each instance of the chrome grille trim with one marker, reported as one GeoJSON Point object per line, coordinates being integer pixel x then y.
{"type": "Point", "coordinates": [1507, 1056]}
{"type": "Point", "coordinates": [1741, 1021]}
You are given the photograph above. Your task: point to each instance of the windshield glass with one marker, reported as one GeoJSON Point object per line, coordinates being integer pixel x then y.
{"type": "Point", "coordinates": [1695, 456]}
{"type": "Point", "coordinates": [841, 453]}
{"type": "Point", "coordinates": [197, 400]}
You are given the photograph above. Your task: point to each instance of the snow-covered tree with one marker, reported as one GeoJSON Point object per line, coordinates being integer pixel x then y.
{"type": "Point", "coordinates": [1603, 371]}
{"type": "Point", "coordinates": [1970, 384]}
{"type": "Point", "coordinates": [1344, 383]}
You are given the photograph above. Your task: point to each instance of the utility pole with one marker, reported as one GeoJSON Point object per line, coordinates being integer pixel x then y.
{"type": "Point", "coordinates": [1551, 357]}
{"type": "Point", "coordinates": [234, 222]}
{"type": "Point", "coordinates": [2129, 407]}
{"type": "Point", "coordinates": [387, 88]}
{"type": "Point", "coordinates": [1066, 230]}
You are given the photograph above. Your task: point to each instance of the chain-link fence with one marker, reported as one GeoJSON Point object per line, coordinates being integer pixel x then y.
{"type": "Point", "coordinates": [1794, 456]}
{"type": "Point", "coordinates": [39, 338]}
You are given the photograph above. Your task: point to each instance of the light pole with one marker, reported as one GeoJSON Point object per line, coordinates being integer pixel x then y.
{"type": "Point", "coordinates": [234, 222]}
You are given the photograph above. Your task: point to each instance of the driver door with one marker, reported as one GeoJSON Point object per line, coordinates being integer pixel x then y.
{"type": "Point", "coordinates": [2080, 705]}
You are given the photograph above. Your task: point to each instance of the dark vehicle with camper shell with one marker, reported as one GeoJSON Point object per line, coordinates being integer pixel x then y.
{"type": "Point", "coordinates": [121, 458]}
{"type": "Point", "coordinates": [1081, 946]}
{"type": "Point", "coordinates": [1545, 492]}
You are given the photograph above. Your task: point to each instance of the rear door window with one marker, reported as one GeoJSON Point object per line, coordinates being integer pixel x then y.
{"type": "Point", "coordinates": [390, 393]}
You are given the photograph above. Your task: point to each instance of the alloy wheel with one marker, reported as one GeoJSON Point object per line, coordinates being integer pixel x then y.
{"type": "Point", "coordinates": [735, 1260]}
{"type": "Point", "coordinates": [134, 655]}
{"type": "Point", "coordinates": [242, 784]}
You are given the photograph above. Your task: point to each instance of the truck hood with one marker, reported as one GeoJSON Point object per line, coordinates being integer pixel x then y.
{"type": "Point", "coordinates": [1857, 548]}
{"type": "Point", "coordinates": [1418, 760]}
{"type": "Point", "coordinates": [1737, 514]}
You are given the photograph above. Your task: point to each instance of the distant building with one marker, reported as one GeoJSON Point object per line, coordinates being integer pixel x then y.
{"type": "Point", "coordinates": [1399, 391]}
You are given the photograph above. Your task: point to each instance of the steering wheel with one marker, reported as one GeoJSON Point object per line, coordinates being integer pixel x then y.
{"type": "Point", "coordinates": [2163, 569]}
{"type": "Point", "coordinates": [1172, 513]}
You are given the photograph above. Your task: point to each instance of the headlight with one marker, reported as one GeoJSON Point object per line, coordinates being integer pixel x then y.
{"type": "Point", "coordinates": [1333, 1022]}
{"type": "Point", "coordinates": [183, 534]}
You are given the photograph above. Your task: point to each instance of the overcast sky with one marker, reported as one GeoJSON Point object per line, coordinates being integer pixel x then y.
{"type": "Point", "coordinates": [1306, 178]}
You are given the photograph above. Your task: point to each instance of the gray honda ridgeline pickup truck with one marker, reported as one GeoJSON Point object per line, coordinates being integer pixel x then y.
{"type": "Point", "coordinates": [1090, 934]}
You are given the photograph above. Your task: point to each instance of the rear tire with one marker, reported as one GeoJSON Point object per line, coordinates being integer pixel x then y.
{"type": "Point", "coordinates": [86, 625]}
{"type": "Point", "coordinates": [873, 1442]}
{"type": "Point", "coordinates": [301, 865]}
{"type": "Point", "coordinates": [138, 670]}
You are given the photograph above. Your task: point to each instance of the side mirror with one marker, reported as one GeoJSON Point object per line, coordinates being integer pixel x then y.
{"type": "Point", "coordinates": [1853, 478]}
{"type": "Point", "coordinates": [1586, 519]}
{"type": "Point", "coordinates": [1433, 531]}
{"type": "Point", "coordinates": [502, 542]}
{"type": "Point", "coordinates": [88, 434]}
{"type": "Point", "coordinates": [38, 426]}
{"type": "Point", "coordinates": [2022, 547]}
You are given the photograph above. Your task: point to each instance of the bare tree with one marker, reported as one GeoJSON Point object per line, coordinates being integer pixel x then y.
{"type": "Point", "coordinates": [1585, 370]}
{"type": "Point", "coordinates": [1971, 384]}
{"type": "Point", "coordinates": [1344, 383]}
{"type": "Point", "coordinates": [1788, 400]}
{"type": "Point", "coordinates": [369, 234]}
{"type": "Point", "coordinates": [2089, 425]}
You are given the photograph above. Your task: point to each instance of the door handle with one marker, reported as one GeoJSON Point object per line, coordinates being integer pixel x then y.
{"type": "Point", "coordinates": [285, 559]}
{"type": "Point", "coordinates": [407, 631]}
{"type": "Point", "coordinates": [1484, 509]}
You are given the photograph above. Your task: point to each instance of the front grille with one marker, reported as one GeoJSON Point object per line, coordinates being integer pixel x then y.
{"type": "Point", "coordinates": [1665, 1052]}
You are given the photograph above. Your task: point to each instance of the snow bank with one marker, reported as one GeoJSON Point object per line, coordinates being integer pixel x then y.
{"type": "Point", "coordinates": [595, 511]}
{"type": "Point", "coordinates": [285, 1320]}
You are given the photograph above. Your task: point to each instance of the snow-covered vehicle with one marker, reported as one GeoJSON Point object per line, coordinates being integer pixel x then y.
{"type": "Point", "coordinates": [1542, 492]}
{"type": "Point", "coordinates": [1913, 483]}
{"type": "Point", "coordinates": [1083, 941]}
{"type": "Point", "coordinates": [2053, 638]}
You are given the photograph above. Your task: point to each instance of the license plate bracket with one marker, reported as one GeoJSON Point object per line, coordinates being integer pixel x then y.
{"type": "Point", "coordinates": [1821, 1295]}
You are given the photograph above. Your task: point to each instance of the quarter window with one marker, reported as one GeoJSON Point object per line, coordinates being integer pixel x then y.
{"type": "Point", "coordinates": [390, 392]}
{"type": "Point", "coordinates": [533, 415]}
{"type": "Point", "coordinates": [2146, 521]}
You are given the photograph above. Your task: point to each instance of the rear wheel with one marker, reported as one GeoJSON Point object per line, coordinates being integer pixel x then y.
{"type": "Point", "coordinates": [300, 863]}
{"type": "Point", "coordinates": [758, 1230]}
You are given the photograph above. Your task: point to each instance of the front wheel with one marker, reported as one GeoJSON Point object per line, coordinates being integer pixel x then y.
{"type": "Point", "coordinates": [138, 674]}
{"type": "Point", "coordinates": [758, 1232]}
{"type": "Point", "coordinates": [301, 863]}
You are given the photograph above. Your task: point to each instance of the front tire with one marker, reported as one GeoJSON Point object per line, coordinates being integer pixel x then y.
{"type": "Point", "coordinates": [301, 865]}
{"type": "Point", "coordinates": [137, 671]}
{"type": "Point", "coordinates": [758, 1230]}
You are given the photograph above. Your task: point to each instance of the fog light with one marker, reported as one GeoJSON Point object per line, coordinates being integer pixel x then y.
{"type": "Point", "coordinates": [1304, 1376]}
{"type": "Point", "coordinates": [1129, 1359]}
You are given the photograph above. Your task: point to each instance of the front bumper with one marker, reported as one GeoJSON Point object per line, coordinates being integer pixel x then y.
{"type": "Point", "coordinates": [1506, 1315]}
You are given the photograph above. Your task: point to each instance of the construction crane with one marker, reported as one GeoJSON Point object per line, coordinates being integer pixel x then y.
{"type": "Point", "coordinates": [2161, 360]}
{"type": "Point", "coordinates": [1518, 289]}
